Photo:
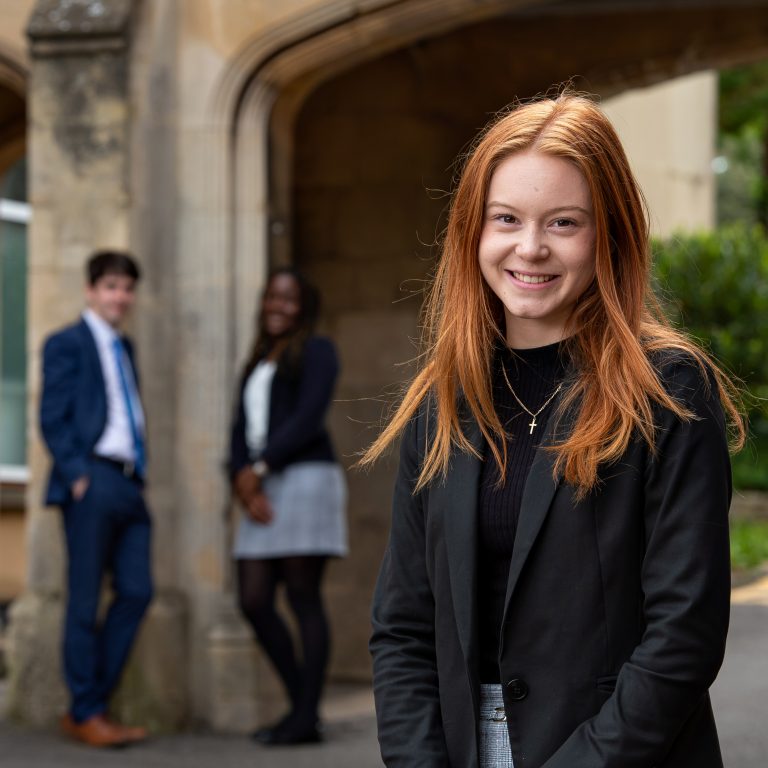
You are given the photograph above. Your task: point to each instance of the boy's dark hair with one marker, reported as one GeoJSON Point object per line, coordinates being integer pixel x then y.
{"type": "Point", "coordinates": [108, 262]}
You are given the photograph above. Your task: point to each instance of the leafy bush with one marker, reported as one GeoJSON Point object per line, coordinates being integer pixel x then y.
{"type": "Point", "coordinates": [749, 543]}
{"type": "Point", "coordinates": [715, 285]}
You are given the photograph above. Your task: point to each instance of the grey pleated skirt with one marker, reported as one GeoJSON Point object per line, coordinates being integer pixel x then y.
{"type": "Point", "coordinates": [493, 738]}
{"type": "Point", "coordinates": [309, 502]}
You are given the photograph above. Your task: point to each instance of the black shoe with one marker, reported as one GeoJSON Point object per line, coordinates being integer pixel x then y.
{"type": "Point", "coordinates": [264, 735]}
{"type": "Point", "coordinates": [290, 732]}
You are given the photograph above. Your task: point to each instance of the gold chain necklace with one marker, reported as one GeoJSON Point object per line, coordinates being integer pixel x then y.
{"type": "Point", "coordinates": [532, 424]}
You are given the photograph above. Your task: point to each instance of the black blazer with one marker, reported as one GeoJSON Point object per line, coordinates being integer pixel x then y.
{"type": "Point", "coordinates": [73, 405]}
{"type": "Point", "coordinates": [616, 610]}
{"type": "Point", "coordinates": [297, 411]}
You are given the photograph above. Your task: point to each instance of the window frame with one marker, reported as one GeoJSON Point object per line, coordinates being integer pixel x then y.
{"type": "Point", "coordinates": [14, 476]}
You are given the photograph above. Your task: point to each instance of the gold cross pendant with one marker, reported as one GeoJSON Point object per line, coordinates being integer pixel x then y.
{"type": "Point", "coordinates": [532, 425]}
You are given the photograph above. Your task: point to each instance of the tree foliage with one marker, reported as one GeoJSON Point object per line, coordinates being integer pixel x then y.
{"type": "Point", "coordinates": [743, 122]}
{"type": "Point", "coordinates": [715, 286]}
{"type": "Point", "coordinates": [744, 97]}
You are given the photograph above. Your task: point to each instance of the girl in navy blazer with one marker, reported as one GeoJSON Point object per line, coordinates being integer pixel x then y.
{"type": "Point", "coordinates": [555, 591]}
{"type": "Point", "coordinates": [292, 493]}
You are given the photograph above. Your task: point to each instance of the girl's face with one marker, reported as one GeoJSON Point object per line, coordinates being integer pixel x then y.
{"type": "Point", "coordinates": [537, 245]}
{"type": "Point", "coordinates": [281, 306]}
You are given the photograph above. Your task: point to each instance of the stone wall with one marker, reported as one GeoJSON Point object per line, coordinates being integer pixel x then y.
{"type": "Point", "coordinates": [669, 131]}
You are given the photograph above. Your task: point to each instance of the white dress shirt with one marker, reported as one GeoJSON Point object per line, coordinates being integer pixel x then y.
{"type": "Point", "coordinates": [116, 441]}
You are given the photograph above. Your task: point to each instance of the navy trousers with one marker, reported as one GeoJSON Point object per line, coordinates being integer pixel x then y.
{"type": "Point", "coordinates": [107, 531]}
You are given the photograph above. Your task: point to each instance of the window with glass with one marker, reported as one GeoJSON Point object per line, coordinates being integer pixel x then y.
{"type": "Point", "coordinates": [14, 218]}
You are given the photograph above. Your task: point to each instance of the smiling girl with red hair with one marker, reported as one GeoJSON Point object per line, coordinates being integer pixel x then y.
{"type": "Point", "coordinates": [555, 591]}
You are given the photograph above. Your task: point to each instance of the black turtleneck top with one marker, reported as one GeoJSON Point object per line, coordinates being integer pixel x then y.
{"type": "Point", "coordinates": [534, 374]}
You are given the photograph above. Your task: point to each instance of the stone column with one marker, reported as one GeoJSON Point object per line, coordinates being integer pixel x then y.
{"type": "Point", "coordinates": [79, 150]}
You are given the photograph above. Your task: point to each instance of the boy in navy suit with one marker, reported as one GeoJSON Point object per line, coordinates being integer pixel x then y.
{"type": "Point", "coordinates": [93, 424]}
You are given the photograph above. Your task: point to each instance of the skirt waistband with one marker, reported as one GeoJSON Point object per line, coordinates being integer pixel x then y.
{"type": "Point", "coordinates": [492, 703]}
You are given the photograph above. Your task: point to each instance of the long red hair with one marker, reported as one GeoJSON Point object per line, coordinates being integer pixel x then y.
{"type": "Point", "coordinates": [615, 326]}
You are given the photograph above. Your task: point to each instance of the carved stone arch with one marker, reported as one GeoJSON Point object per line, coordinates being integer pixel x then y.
{"type": "Point", "coordinates": [261, 92]}
{"type": "Point", "coordinates": [268, 81]}
{"type": "Point", "coordinates": [14, 72]}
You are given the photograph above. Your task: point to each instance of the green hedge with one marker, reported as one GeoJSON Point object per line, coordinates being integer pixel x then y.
{"type": "Point", "coordinates": [749, 543]}
{"type": "Point", "coordinates": [715, 285]}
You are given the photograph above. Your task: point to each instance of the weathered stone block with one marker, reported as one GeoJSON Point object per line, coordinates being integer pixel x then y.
{"type": "Point", "coordinates": [36, 693]}
{"type": "Point", "coordinates": [232, 661]}
{"type": "Point", "coordinates": [153, 690]}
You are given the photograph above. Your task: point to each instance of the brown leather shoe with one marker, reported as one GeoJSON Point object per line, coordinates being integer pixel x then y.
{"type": "Point", "coordinates": [133, 733]}
{"type": "Point", "coordinates": [96, 731]}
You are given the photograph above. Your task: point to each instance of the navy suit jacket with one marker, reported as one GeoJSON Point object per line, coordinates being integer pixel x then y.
{"type": "Point", "coordinates": [73, 407]}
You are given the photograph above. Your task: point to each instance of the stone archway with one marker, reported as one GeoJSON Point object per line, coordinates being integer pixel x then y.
{"type": "Point", "coordinates": [355, 142]}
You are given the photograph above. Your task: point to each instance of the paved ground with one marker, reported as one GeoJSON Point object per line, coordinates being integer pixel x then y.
{"type": "Point", "coordinates": [349, 744]}
{"type": "Point", "coordinates": [350, 741]}
{"type": "Point", "coordinates": [740, 693]}
{"type": "Point", "coordinates": [740, 698]}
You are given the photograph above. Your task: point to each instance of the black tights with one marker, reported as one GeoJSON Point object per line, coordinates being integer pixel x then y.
{"type": "Point", "coordinates": [257, 582]}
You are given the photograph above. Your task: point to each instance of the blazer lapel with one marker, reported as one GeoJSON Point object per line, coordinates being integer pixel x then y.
{"type": "Point", "coordinates": [92, 352]}
{"type": "Point", "coordinates": [538, 494]}
{"type": "Point", "coordinates": [540, 488]}
{"type": "Point", "coordinates": [457, 497]}
{"type": "Point", "coordinates": [97, 375]}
